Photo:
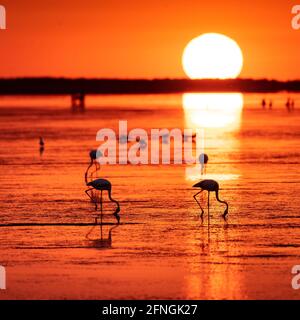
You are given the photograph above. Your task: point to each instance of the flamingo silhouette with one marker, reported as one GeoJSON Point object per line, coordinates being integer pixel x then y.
{"type": "Point", "coordinates": [101, 185]}
{"type": "Point", "coordinates": [203, 159]}
{"type": "Point", "coordinates": [210, 186]}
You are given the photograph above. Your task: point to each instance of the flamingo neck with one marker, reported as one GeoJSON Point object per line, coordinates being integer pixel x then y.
{"type": "Point", "coordinates": [113, 200]}
{"type": "Point", "coordinates": [87, 171]}
{"type": "Point", "coordinates": [222, 201]}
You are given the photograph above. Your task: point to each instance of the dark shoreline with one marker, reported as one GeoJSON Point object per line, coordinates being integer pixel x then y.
{"type": "Point", "coordinates": [40, 86]}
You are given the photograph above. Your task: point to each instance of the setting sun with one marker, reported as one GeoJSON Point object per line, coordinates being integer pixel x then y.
{"type": "Point", "coordinates": [212, 55]}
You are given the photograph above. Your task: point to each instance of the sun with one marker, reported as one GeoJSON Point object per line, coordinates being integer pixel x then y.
{"type": "Point", "coordinates": [212, 56]}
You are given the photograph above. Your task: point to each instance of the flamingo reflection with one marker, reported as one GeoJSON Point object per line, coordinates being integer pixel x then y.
{"type": "Point", "coordinates": [102, 242]}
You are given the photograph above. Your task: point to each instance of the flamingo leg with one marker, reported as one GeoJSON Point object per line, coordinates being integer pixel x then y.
{"type": "Point", "coordinates": [101, 206]}
{"type": "Point", "coordinates": [208, 207]}
{"type": "Point", "coordinates": [202, 169]}
{"type": "Point", "coordinates": [87, 192]}
{"type": "Point", "coordinates": [195, 197]}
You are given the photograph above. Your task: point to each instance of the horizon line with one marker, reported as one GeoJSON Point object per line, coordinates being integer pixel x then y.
{"type": "Point", "coordinates": [146, 79]}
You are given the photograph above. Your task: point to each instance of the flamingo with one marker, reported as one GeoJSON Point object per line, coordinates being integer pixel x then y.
{"type": "Point", "coordinates": [210, 186]}
{"type": "Point", "coordinates": [203, 159]}
{"type": "Point", "coordinates": [101, 185]}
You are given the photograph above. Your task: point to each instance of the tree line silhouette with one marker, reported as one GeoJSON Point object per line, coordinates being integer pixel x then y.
{"type": "Point", "coordinates": [122, 86]}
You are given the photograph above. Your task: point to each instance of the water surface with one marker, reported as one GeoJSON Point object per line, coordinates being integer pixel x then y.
{"type": "Point", "coordinates": [170, 253]}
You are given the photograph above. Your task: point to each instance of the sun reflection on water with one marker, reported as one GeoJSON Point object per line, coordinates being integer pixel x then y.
{"type": "Point", "coordinates": [219, 115]}
{"type": "Point", "coordinates": [213, 110]}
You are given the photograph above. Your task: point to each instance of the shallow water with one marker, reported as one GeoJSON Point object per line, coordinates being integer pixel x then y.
{"type": "Point", "coordinates": [169, 253]}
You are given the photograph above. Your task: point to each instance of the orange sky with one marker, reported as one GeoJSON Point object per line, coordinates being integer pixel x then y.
{"type": "Point", "coordinates": [144, 39]}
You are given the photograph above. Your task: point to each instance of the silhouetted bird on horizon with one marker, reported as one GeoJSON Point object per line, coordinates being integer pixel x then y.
{"type": "Point", "coordinates": [270, 104]}
{"type": "Point", "coordinates": [292, 104]}
{"type": "Point", "coordinates": [288, 104]}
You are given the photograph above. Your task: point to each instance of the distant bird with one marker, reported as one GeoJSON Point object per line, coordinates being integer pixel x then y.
{"type": "Point", "coordinates": [270, 104]}
{"type": "Point", "coordinates": [263, 103]}
{"type": "Point", "coordinates": [42, 146]}
{"type": "Point", "coordinates": [203, 160]}
{"type": "Point", "coordinates": [210, 186]}
{"type": "Point", "coordinates": [42, 143]}
{"type": "Point", "coordinates": [288, 104]}
{"type": "Point", "coordinates": [292, 104]}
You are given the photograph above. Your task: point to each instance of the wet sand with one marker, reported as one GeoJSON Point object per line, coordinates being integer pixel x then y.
{"type": "Point", "coordinates": [169, 253]}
